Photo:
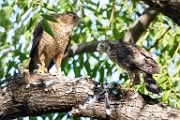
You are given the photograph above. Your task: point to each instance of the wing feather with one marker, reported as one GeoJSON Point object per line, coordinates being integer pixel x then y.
{"type": "Point", "coordinates": [37, 34]}
{"type": "Point", "coordinates": [133, 57]}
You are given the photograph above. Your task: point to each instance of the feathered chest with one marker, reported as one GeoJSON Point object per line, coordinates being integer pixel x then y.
{"type": "Point", "coordinates": [59, 43]}
{"type": "Point", "coordinates": [121, 57]}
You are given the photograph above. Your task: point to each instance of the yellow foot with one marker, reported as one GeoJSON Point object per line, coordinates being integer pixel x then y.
{"type": "Point", "coordinates": [60, 74]}
{"type": "Point", "coordinates": [45, 70]}
{"type": "Point", "coordinates": [38, 71]}
{"type": "Point", "coordinates": [85, 76]}
{"type": "Point", "coordinates": [128, 88]}
{"type": "Point", "coordinates": [63, 74]}
{"type": "Point", "coordinates": [41, 70]}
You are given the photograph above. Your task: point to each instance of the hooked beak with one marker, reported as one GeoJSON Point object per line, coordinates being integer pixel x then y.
{"type": "Point", "coordinates": [98, 48]}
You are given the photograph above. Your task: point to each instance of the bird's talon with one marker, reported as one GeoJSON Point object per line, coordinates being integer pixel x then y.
{"type": "Point", "coordinates": [45, 70]}
{"type": "Point", "coordinates": [128, 88]}
{"type": "Point", "coordinates": [38, 71]}
{"type": "Point", "coordinates": [62, 74]}
{"type": "Point", "coordinates": [41, 71]}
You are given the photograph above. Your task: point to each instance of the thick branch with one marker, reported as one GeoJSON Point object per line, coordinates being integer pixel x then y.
{"type": "Point", "coordinates": [135, 109]}
{"type": "Point", "coordinates": [139, 26]}
{"type": "Point", "coordinates": [48, 94]}
{"type": "Point", "coordinates": [81, 48]}
{"type": "Point", "coordinates": [170, 8]}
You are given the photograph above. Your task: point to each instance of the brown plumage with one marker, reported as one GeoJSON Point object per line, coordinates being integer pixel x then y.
{"type": "Point", "coordinates": [46, 49]}
{"type": "Point", "coordinates": [135, 60]}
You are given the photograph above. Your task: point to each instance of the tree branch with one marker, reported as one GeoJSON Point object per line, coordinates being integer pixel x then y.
{"type": "Point", "coordinates": [139, 26]}
{"type": "Point", "coordinates": [81, 48]}
{"type": "Point", "coordinates": [48, 94]}
{"type": "Point", "coordinates": [159, 39]}
{"type": "Point", "coordinates": [169, 8]}
{"type": "Point", "coordinates": [131, 36]}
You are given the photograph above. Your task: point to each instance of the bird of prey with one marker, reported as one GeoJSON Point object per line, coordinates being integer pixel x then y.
{"type": "Point", "coordinates": [135, 60]}
{"type": "Point", "coordinates": [47, 50]}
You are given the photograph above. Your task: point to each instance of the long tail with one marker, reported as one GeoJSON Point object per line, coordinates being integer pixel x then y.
{"type": "Point", "coordinates": [32, 66]}
{"type": "Point", "coordinates": [151, 84]}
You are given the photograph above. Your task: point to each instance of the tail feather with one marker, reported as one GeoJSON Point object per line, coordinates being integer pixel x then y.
{"type": "Point", "coordinates": [32, 66]}
{"type": "Point", "coordinates": [151, 84]}
{"type": "Point", "coordinates": [50, 65]}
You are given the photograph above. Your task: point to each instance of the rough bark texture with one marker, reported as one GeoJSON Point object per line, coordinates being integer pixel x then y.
{"type": "Point", "coordinates": [170, 8]}
{"type": "Point", "coordinates": [47, 94]}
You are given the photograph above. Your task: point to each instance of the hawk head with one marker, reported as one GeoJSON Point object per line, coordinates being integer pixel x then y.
{"type": "Point", "coordinates": [69, 18]}
{"type": "Point", "coordinates": [104, 46]}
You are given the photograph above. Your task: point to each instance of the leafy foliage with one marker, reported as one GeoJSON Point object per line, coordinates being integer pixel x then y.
{"type": "Point", "coordinates": [101, 20]}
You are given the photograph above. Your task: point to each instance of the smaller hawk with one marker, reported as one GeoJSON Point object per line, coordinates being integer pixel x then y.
{"type": "Point", "coordinates": [47, 50]}
{"type": "Point", "coordinates": [133, 59]}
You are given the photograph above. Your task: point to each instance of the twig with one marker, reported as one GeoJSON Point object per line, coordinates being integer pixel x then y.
{"type": "Point", "coordinates": [112, 14]}
{"type": "Point", "coordinates": [174, 54]}
{"type": "Point", "coordinates": [169, 80]}
{"type": "Point", "coordinates": [159, 39]}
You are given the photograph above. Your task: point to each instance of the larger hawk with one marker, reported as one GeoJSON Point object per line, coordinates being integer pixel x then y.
{"type": "Point", "coordinates": [135, 60]}
{"type": "Point", "coordinates": [47, 49]}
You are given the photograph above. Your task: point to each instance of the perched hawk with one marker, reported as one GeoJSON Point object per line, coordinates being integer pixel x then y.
{"type": "Point", "coordinates": [135, 60]}
{"type": "Point", "coordinates": [47, 50]}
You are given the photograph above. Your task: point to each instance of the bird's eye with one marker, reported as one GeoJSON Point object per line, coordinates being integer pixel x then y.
{"type": "Point", "coordinates": [102, 46]}
{"type": "Point", "coordinates": [74, 17]}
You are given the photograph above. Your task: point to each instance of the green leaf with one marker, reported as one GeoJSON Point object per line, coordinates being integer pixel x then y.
{"type": "Point", "coordinates": [47, 28]}
{"type": "Point", "coordinates": [20, 118]}
{"type": "Point", "coordinates": [32, 118]}
{"type": "Point", "coordinates": [166, 96]}
{"type": "Point", "coordinates": [142, 88]}
{"type": "Point", "coordinates": [101, 75]}
{"type": "Point", "coordinates": [116, 33]}
{"type": "Point", "coordinates": [49, 18]}
{"type": "Point", "coordinates": [60, 116]}
{"type": "Point", "coordinates": [7, 11]}
{"type": "Point", "coordinates": [87, 65]}
{"type": "Point", "coordinates": [31, 22]}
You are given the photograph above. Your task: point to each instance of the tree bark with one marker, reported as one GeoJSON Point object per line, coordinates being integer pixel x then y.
{"type": "Point", "coordinates": [77, 49]}
{"type": "Point", "coordinates": [170, 8]}
{"type": "Point", "coordinates": [47, 94]}
{"type": "Point", "coordinates": [140, 26]}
